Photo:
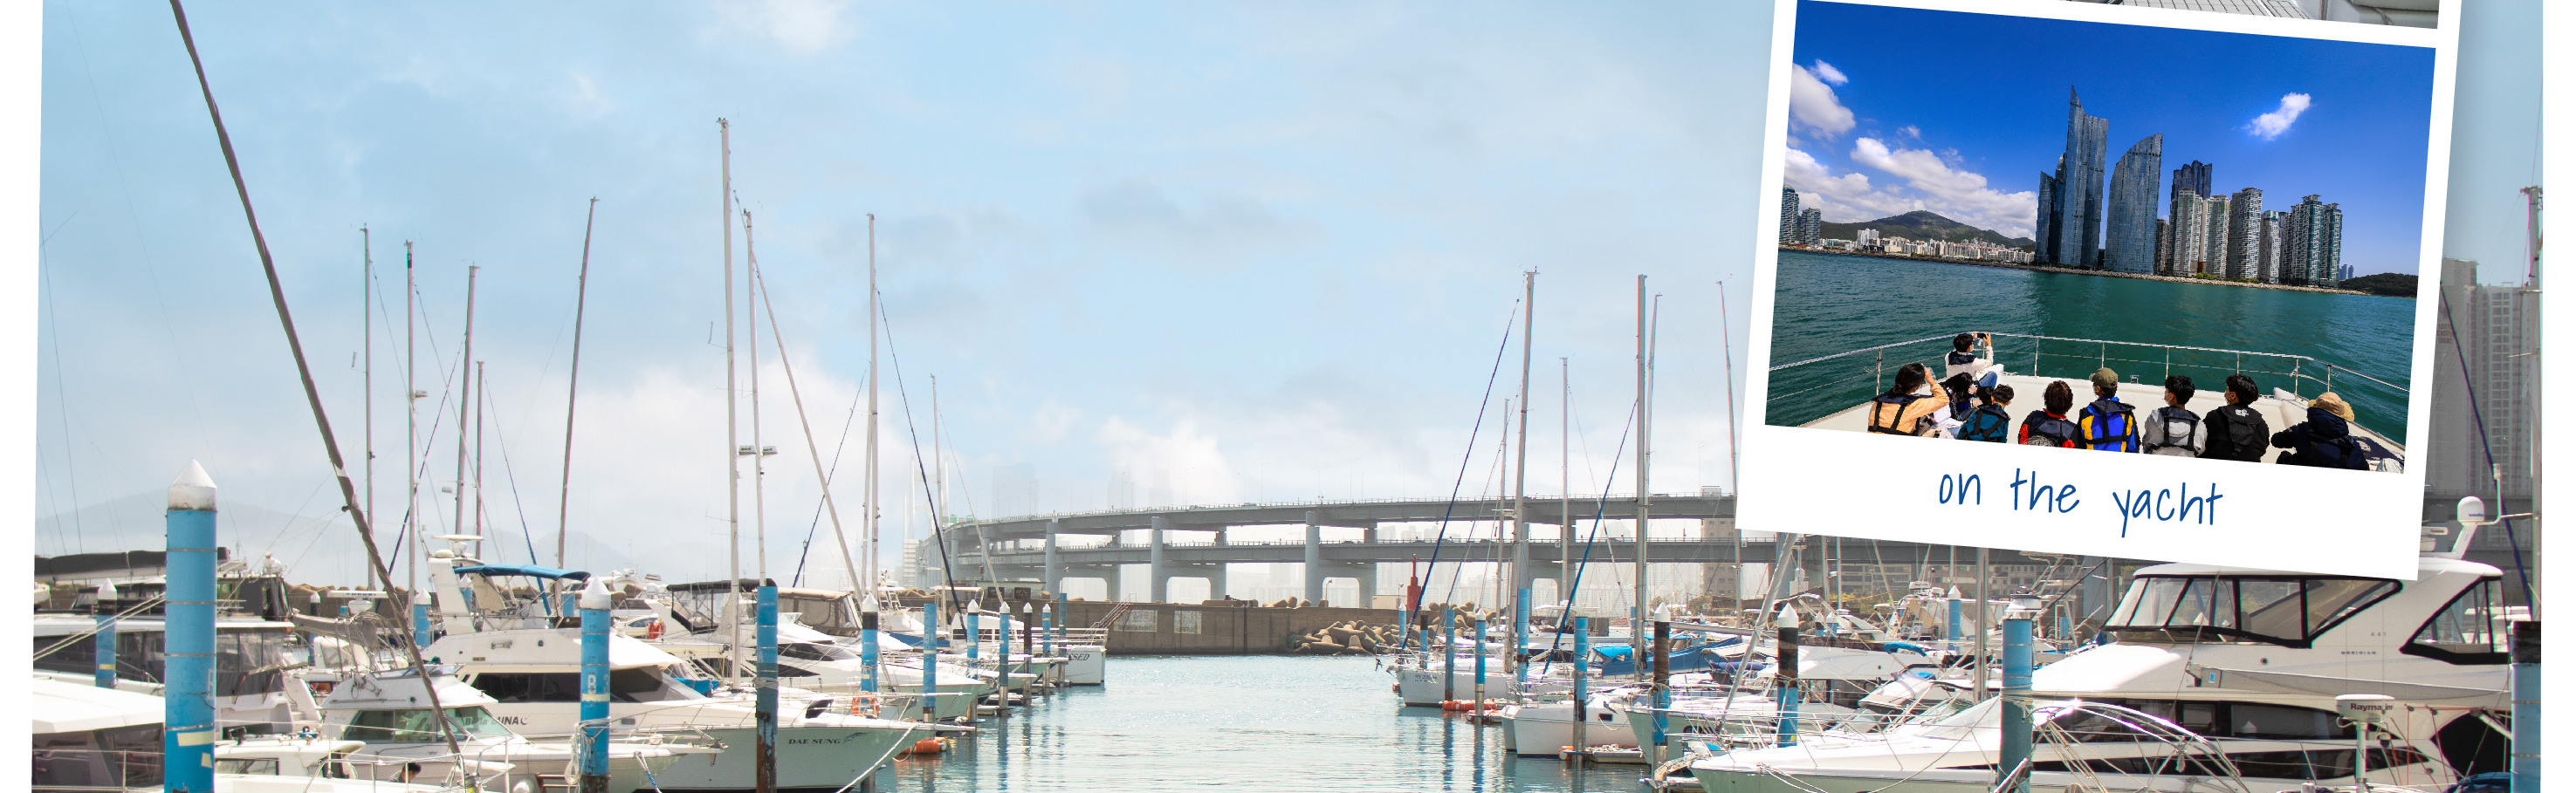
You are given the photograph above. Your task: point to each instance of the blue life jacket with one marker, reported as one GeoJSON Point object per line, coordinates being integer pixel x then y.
{"type": "Point", "coordinates": [2112, 427]}
{"type": "Point", "coordinates": [1989, 423]}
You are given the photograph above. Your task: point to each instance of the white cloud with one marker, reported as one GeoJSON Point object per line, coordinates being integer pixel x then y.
{"type": "Point", "coordinates": [1827, 72]}
{"type": "Point", "coordinates": [1812, 103]}
{"type": "Point", "coordinates": [1911, 131]}
{"type": "Point", "coordinates": [2273, 124]}
{"type": "Point", "coordinates": [1954, 193]}
{"type": "Point", "coordinates": [805, 26]}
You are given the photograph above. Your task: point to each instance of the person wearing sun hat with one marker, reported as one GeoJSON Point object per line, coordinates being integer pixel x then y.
{"type": "Point", "coordinates": [2325, 439]}
{"type": "Point", "coordinates": [2107, 424]}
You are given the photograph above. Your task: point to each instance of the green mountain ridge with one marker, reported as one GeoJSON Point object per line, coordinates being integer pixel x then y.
{"type": "Point", "coordinates": [1925, 225]}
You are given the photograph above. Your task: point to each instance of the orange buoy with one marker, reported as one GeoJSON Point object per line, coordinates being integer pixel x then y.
{"type": "Point", "coordinates": [928, 746]}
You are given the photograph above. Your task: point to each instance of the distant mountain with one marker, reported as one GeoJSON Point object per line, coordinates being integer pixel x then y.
{"type": "Point", "coordinates": [1923, 225]}
{"type": "Point", "coordinates": [2390, 284]}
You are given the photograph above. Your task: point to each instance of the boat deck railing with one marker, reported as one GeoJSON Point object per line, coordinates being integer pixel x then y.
{"type": "Point", "coordinates": [1869, 368]}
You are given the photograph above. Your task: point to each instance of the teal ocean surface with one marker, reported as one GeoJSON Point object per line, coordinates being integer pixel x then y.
{"type": "Point", "coordinates": [1262, 723]}
{"type": "Point", "coordinates": [1835, 303]}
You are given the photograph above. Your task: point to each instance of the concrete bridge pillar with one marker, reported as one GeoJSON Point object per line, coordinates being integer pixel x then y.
{"type": "Point", "coordinates": [1314, 557]}
{"type": "Point", "coordinates": [1054, 575]}
{"type": "Point", "coordinates": [1366, 572]}
{"type": "Point", "coordinates": [1158, 577]}
{"type": "Point", "coordinates": [1216, 579]}
{"type": "Point", "coordinates": [1220, 535]}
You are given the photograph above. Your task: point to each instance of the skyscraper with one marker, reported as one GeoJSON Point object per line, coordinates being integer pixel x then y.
{"type": "Point", "coordinates": [2271, 243]}
{"type": "Point", "coordinates": [2187, 239]}
{"type": "Point", "coordinates": [1811, 226]}
{"type": "Point", "coordinates": [2213, 235]}
{"type": "Point", "coordinates": [2071, 199]}
{"type": "Point", "coordinates": [2164, 247]}
{"type": "Point", "coordinates": [2312, 243]}
{"type": "Point", "coordinates": [1788, 215]}
{"type": "Point", "coordinates": [2046, 222]}
{"type": "Point", "coordinates": [2493, 327]}
{"type": "Point", "coordinates": [2130, 242]}
{"type": "Point", "coordinates": [2192, 176]}
{"type": "Point", "coordinates": [2245, 234]}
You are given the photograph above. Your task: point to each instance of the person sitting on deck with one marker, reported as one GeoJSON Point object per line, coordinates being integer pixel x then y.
{"type": "Point", "coordinates": [2049, 426]}
{"type": "Point", "coordinates": [2173, 430]}
{"type": "Point", "coordinates": [2236, 430]}
{"type": "Point", "coordinates": [1990, 422]}
{"type": "Point", "coordinates": [1963, 401]}
{"type": "Point", "coordinates": [2108, 425]}
{"type": "Point", "coordinates": [1962, 360]}
{"type": "Point", "coordinates": [2325, 439]}
{"type": "Point", "coordinates": [1900, 411]}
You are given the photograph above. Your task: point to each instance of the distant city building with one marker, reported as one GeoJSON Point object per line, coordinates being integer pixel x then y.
{"type": "Point", "coordinates": [2130, 242]}
{"type": "Point", "coordinates": [1789, 232]}
{"type": "Point", "coordinates": [1865, 236]}
{"type": "Point", "coordinates": [2270, 232]}
{"type": "Point", "coordinates": [2213, 235]}
{"type": "Point", "coordinates": [2312, 243]}
{"type": "Point", "coordinates": [2192, 176]}
{"type": "Point", "coordinates": [2071, 198]}
{"type": "Point", "coordinates": [2164, 248]}
{"type": "Point", "coordinates": [2245, 234]}
{"type": "Point", "coordinates": [2346, 275]}
{"type": "Point", "coordinates": [2191, 229]}
{"type": "Point", "coordinates": [1811, 226]}
{"type": "Point", "coordinates": [2493, 327]}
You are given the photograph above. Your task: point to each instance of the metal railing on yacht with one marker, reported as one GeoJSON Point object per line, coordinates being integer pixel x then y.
{"type": "Point", "coordinates": [2304, 376]}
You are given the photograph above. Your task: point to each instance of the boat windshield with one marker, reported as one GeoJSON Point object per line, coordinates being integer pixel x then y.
{"type": "Point", "coordinates": [2285, 610]}
{"type": "Point", "coordinates": [2474, 629]}
{"type": "Point", "coordinates": [415, 725]}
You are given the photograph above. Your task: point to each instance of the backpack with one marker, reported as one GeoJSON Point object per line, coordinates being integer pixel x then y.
{"type": "Point", "coordinates": [2047, 430]}
{"type": "Point", "coordinates": [2343, 452]}
{"type": "Point", "coordinates": [1899, 402]}
{"type": "Point", "coordinates": [1989, 423]}
{"type": "Point", "coordinates": [2114, 426]}
{"type": "Point", "coordinates": [2179, 427]}
{"type": "Point", "coordinates": [2246, 433]}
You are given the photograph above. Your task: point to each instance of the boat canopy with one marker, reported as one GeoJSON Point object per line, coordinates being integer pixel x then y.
{"type": "Point", "coordinates": [523, 569]}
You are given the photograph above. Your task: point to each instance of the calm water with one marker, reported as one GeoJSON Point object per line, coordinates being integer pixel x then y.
{"type": "Point", "coordinates": [1247, 723]}
{"type": "Point", "coordinates": [1831, 303]}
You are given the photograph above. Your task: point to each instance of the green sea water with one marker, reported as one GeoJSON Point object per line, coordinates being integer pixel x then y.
{"type": "Point", "coordinates": [1835, 303]}
{"type": "Point", "coordinates": [1254, 723]}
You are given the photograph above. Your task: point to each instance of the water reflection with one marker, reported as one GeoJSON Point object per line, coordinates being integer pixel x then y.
{"type": "Point", "coordinates": [1261, 723]}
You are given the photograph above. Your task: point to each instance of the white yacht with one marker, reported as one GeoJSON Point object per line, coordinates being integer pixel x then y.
{"type": "Point", "coordinates": [2249, 660]}
{"type": "Point", "coordinates": [510, 651]}
{"type": "Point", "coordinates": [389, 714]}
{"type": "Point", "coordinates": [92, 739]}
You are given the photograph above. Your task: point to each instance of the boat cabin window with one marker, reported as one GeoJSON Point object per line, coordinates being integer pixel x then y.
{"type": "Point", "coordinates": [248, 765]}
{"type": "Point", "coordinates": [117, 757]}
{"type": "Point", "coordinates": [2317, 765]}
{"type": "Point", "coordinates": [247, 661]}
{"type": "Point", "coordinates": [808, 651]}
{"type": "Point", "coordinates": [624, 685]}
{"type": "Point", "coordinates": [2472, 629]}
{"type": "Point", "coordinates": [2286, 610]}
{"type": "Point", "coordinates": [2212, 720]}
{"type": "Point", "coordinates": [415, 725]}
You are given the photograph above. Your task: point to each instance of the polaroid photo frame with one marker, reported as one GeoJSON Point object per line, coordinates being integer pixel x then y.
{"type": "Point", "coordinates": [2106, 200]}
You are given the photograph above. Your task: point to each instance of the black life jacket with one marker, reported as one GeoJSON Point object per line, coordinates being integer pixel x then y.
{"type": "Point", "coordinates": [2246, 433]}
{"type": "Point", "coordinates": [1892, 407]}
{"type": "Point", "coordinates": [1989, 423]}
{"type": "Point", "coordinates": [2179, 427]}
{"type": "Point", "coordinates": [1961, 358]}
{"type": "Point", "coordinates": [2045, 430]}
{"type": "Point", "coordinates": [2113, 425]}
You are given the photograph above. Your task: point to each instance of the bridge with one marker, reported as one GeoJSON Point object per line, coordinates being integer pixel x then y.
{"type": "Point", "coordinates": [1193, 542]}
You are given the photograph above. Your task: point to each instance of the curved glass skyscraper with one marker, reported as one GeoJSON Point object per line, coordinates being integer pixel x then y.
{"type": "Point", "coordinates": [2129, 245]}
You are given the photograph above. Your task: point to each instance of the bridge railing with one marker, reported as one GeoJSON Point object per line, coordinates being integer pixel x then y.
{"type": "Point", "coordinates": [968, 523]}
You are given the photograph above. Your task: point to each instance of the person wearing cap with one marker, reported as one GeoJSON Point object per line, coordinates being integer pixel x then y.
{"type": "Point", "coordinates": [2325, 439]}
{"type": "Point", "coordinates": [2108, 424]}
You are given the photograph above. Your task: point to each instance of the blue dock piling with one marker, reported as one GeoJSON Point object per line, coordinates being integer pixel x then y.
{"type": "Point", "coordinates": [595, 603]}
{"type": "Point", "coordinates": [105, 609]}
{"type": "Point", "coordinates": [188, 707]}
{"type": "Point", "coordinates": [2016, 704]}
{"type": "Point", "coordinates": [766, 690]}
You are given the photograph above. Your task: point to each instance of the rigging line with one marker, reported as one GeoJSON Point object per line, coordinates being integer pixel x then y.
{"type": "Point", "coordinates": [1458, 569]}
{"type": "Point", "coordinates": [1440, 539]}
{"type": "Point", "coordinates": [2467, 385]}
{"type": "Point", "coordinates": [913, 430]}
{"type": "Point", "coordinates": [510, 475]}
{"type": "Point", "coordinates": [304, 370]}
{"type": "Point", "coordinates": [847, 422]}
{"type": "Point", "coordinates": [1600, 507]}
{"type": "Point", "coordinates": [62, 400]}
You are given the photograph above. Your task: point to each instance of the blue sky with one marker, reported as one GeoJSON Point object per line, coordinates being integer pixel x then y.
{"type": "Point", "coordinates": [1964, 111]}
{"type": "Point", "coordinates": [1249, 253]}
{"type": "Point", "coordinates": [1240, 253]}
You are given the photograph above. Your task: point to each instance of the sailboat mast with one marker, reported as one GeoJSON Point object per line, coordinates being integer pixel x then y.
{"type": "Point", "coordinates": [367, 374]}
{"type": "Point", "coordinates": [733, 451]}
{"type": "Point", "coordinates": [1637, 622]}
{"type": "Point", "coordinates": [411, 422]}
{"type": "Point", "coordinates": [572, 384]}
{"type": "Point", "coordinates": [1726, 343]}
{"type": "Point", "coordinates": [465, 401]}
{"type": "Point", "coordinates": [1520, 575]}
{"type": "Point", "coordinates": [869, 491]}
{"type": "Point", "coordinates": [938, 483]}
{"type": "Point", "coordinates": [479, 396]}
{"type": "Point", "coordinates": [759, 455]}
{"type": "Point", "coordinates": [1565, 564]}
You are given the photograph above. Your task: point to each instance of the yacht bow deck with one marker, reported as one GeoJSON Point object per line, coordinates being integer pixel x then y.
{"type": "Point", "coordinates": [2279, 411]}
